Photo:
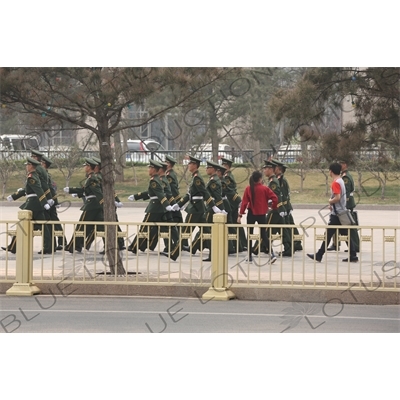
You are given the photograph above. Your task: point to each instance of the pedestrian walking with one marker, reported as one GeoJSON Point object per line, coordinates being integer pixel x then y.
{"type": "Point", "coordinates": [337, 205]}
{"type": "Point", "coordinates": [350, 205]}
{"type": "Point", "coordinates": [255, 201]}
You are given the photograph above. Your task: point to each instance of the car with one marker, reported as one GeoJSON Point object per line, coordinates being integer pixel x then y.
{"type": "Point", "coordinates": [204, 153]}
{"type": "Point", "coordinates": [17, 146]}
{"type": "Point", "coordinates": [143, 150]}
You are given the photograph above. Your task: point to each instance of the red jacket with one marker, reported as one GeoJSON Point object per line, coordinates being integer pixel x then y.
{"type": "Point", "coordinates": [260, 205]}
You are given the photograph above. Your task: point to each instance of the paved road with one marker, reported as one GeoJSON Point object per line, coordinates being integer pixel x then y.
{"type": "Point", "coordinates": [42, 314]}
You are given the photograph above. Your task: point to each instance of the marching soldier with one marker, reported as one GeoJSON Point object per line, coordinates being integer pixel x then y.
{"type": "Point", "coordinates": [62, 240]}
{"type": "Point", "coordinates": [227, 206]}
{"type": "Point", "coordinates": [215, 189]}
{"type": "Point", "coordinates": [285, 189]}
{"type": "Point", "coordinates": [234, 200]}
{"type": "Point", "coordinates": [35, 202]}
{"type": "Point", "coordinates": [167, 217]}
{"type": "Point", "coordinates": [155, 210]}
{"type": "Point", "coordinates": [276, 216]}
{"type": "Point", "coordinates": [174, 184]}
{"type": "Point", "coordinates": [196, 197]}
{"type": "Point", "coordinates": [92, 209]}
{"type": "Point", "coordinates": [350, 205]}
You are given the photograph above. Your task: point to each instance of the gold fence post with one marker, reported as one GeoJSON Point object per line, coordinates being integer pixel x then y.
{"type": "Point", "coordinates": [24, 259]}
{"type": "Point", "coordinates": [219, 261]}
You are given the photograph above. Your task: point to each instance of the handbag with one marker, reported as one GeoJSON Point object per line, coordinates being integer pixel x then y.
{"type": "Point", "coordinates": [345, 217]}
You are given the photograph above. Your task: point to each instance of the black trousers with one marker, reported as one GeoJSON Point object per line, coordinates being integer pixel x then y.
{"type": "Point", "coordinates": [334, 220]}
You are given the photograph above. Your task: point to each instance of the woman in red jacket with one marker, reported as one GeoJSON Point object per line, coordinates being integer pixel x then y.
{"type": "Point", "coordinates": [255, 199]}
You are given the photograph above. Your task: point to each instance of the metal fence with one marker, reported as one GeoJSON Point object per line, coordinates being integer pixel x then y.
{"type": "Point", "coordinates": [377, 269]}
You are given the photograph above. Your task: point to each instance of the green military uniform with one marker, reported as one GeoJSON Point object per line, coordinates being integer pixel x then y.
{"type": "Point", "coordinates": [234, 200]}
{"type": "Point", "coordinates": [276, 216]}
{"type": "Point", "coordinates": [36, 202]}
{"type": "Point", "coordinates": [174, 184]}
{"type": "Point", "coordinates": [214, 188]}
{"type": "Point", "coordinates": [196, 198]}
{"type": "Point", "coordinates": [92, 209]}
{"type": "Point", "coordinates": [227, 208]}
{"type": "Point", "coordinates": [167, 217]}
{"type": "Point", "coordinates": [350, 205]}
{"type": "Point", "coordinates": [62, 240]}
{"type": "Point", "coordinates": [285, 190]}
{"type": "Point", "coordinates": [154, 211]}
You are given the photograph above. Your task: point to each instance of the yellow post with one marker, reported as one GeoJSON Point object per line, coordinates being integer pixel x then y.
{"type": "Point", "coordinates": [219, 262]}
{"type": "Point", "coordinates": [24, 259]}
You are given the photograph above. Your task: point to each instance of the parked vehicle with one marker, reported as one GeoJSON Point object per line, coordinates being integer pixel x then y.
{"type": "Point", "coordinates": [204, 153]}
{"type": "Point", "coordinates": [17, 146]}
{"type": "Point", "coordinates": [18, 142]}
{"type": "Point", "coordinates": [143, 150]}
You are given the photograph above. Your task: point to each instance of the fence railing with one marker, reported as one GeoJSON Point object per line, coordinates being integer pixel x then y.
{"type": "Point", "coordinates": [377, 269]}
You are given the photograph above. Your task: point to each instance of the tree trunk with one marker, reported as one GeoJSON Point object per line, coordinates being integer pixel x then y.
{"type": "Point", "coordinates": [120, 157]}
{"type": "Point", "coordinates": [107, 169]}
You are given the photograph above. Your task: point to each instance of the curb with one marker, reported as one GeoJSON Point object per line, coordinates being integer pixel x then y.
{"type": "Point", "coordinates": [341, 295]}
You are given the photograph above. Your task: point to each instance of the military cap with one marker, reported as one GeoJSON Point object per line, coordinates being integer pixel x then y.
{"type": "Point", "coordinates": [163, 165]}
{"type": "Point", "coordinates": [36, 153]}
{"type": "Point", "coordinates": [90, 162]}
{"type": "Point", "coordinates": [97, 160]}
{"type": "Point", "coordinates": [212, 164]}
{"type": "Point", "coordinates": [221, 168]}
{"type": "Point", "coordinates": [47, 160]}
{"type": "Point", "coordinates": [269, 164]}
{"type": "Point", "coordinates": [32, 161]}
{"type": "Point", "coordinates": [194, 160]}
{"type": "Point", "coordinates": [226, 161]}
{"type": "Point", "coordinates": [170, 159]}
{"type": "Point", "coordinates": [276, 162]}
{"type": "Point", "coordinates": [154, 163]}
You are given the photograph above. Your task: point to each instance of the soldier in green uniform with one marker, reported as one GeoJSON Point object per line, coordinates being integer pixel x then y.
{"type": "Point", "coordinates": [227, 207]}
{"type": "Point", "coordinates": [215, 189]}
{"type": "Point", "coordinates": [167, 217]}
{"type": "Point", "coordinates": [196, 198]}
{"type": "Point", "coordinates": [155, 210]}
{"type": "Point", "coordinates": [276, 216]}
{"type": "Point", "coordinates": [174, 184]}
{"type": "Point", "coordinates": [36, 202]}
{"type": "Point", "coordinates": [234, 200]}
{"type": "Point", "coordinates": [285, 189]}
{"type": "Point", "coordinates": [44, 182]}
{"type": "Point", "coordinates": [350, 205]}
{"type": "Point", "coordinates": [92, 209]}
{"type": "Point", "coordinates": [62, 240]}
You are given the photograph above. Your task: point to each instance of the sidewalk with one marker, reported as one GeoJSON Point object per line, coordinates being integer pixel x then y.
{"type": "Point", "coordinates": [247, 279]}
